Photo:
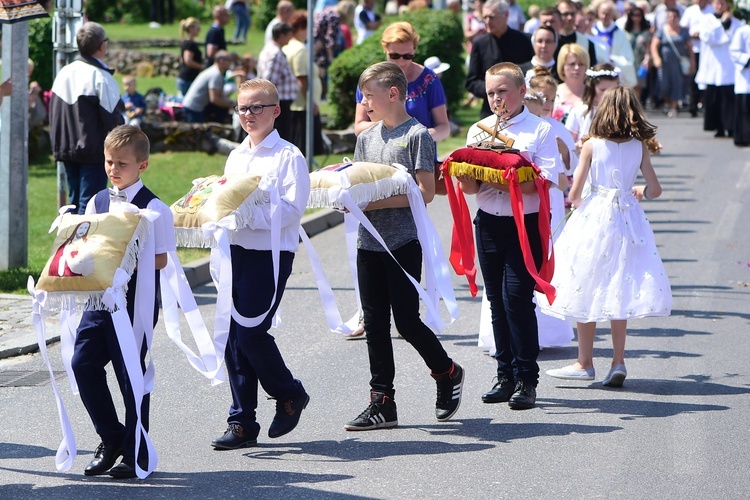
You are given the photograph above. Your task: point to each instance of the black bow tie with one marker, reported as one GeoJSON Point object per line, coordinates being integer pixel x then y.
{"type": "Point", "coordinates": [117, 196]}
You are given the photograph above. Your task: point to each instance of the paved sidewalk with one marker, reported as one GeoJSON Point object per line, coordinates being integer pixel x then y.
{"type": "Point", "coordinates": [17, 334]}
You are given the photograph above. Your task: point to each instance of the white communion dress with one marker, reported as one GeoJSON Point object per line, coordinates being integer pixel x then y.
{"type": "Point", "coordinates": [607, 265]}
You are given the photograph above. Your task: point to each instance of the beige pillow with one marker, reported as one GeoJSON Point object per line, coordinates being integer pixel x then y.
{"type": "Point", "coordinates": [368, 182]}
{"type": "Point", "coordinates": [211, 199]}
{"type": "Point", "coordinates": [86, 253]}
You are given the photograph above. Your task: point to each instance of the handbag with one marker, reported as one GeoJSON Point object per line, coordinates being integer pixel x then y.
{"type": "Point", "coordinates": [684, 60]}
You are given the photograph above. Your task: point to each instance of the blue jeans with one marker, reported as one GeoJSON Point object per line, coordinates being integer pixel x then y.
{"type": "Point", "coordinates": [252, 355]}
{"type": "Point", "coordinates": [242, 17]}
{"type": "Point", "coordinates": [194, 116]}
{"type": "Point", "coordinates": [383, 287]}
{"type": "Point", "coordinates": [183, 86]}
{"type": "Point", "coordinates": [510, 291]}
{"type": "Point", "coordinates": [84, 181]}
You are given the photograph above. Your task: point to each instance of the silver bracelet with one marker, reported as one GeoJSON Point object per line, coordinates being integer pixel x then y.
{"type": "Point", "coordinates": [645, 190]}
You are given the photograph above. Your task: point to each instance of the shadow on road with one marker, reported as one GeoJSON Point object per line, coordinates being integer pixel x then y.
{"type": "Point", "coordinates": [626, 409]}
{"type": "Point", "coordinates": [223, 484]}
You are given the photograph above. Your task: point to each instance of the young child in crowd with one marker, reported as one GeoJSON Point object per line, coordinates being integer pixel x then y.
{"type": "Point", "coordinates": [396, 138]}
{"type": "Point", "coordinates": [126, 151]}
{"type": "Point", "coordinates": [252, 355]}
{"type": "Point", "coordinates": [135, 103]}
{"type": "Point", "coordinates": [601, 77]}
{"type": "Point", "coordinates": [508, 284]}
{"type": "Point", "coordinates": [608, 267]}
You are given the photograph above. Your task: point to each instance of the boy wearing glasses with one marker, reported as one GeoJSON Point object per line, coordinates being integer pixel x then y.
{"type": "Point", "coordinates": [396, 137]}
{"type": "Point", "coordinates": [252, 355]}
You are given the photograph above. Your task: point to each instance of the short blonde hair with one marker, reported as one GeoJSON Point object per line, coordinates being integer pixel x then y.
{"type": "Point", "coordinates": [567, 49]}
{"type": "Point", "coordinates": [385, 75]}
{"type": "Point", "coordinates": [399, 32]}
{"type": "Point", "coordinates": [128, 137]}
{"type": "Point", "coordinates": [510, 70]}
{"type": "Point", "coordinates": [265, 87]}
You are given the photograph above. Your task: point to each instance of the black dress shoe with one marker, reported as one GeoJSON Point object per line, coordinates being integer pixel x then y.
{"type": "Point", "coordinates": [287, 415]}
{"type": "Point", "coordinates": [523, 398]}
{"type": "Point", "coordinates": [104, 458]}
{"type": "Point", "coordinates": [234, 437]}
{"type": "Point", "coordinates": [500, 392]}
{"type": "Point", "coordinates": [124, 470]}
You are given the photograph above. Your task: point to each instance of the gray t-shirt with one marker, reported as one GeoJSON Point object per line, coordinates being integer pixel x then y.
{"type": "Point", "coordinates": [197, 97]}
{"type": "Point", "coordinates": [411, 145]}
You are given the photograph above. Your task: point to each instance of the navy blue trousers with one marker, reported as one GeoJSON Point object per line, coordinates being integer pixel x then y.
{"type": "Point", "coordinates": [252, 355]}
{"type": "Point", "coordinates": [510, 291]}
{"type": "Point", "coordinates": [96, 345]}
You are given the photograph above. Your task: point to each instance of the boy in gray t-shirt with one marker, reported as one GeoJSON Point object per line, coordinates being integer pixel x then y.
{"type": "Point", "coordinates": [383, 286]}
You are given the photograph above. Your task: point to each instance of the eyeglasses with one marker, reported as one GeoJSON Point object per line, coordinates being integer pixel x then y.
{"type": "Point", "coordinates": [488, 18]}
{"type": "Point", "coordinates": [394, 55]}
{"type": "Point", "coordinates": [105, 40]}
{"type": "Point", "coordinates": [568, 14]}
{"type": "Point", "coordinates": [253, 109]}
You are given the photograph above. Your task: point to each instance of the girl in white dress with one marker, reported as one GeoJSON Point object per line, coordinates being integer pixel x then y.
{"type": "Point", "coordinates": [607, 265]}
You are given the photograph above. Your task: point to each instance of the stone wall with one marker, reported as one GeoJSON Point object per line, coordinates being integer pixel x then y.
{"type": "Point", "coordinates": [133, 62]}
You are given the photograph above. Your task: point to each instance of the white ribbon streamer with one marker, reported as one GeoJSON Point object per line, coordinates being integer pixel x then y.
{"type": "Point", "coordinates": [221, 268]}
{"type": "Point", "coordinates": [60, 213]}
{"type": "Point", "coordinates": [176, 293]}
{"type": "Point", "coordinates": [66, 452]}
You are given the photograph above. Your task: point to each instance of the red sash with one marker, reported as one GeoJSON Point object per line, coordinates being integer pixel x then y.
{"type": "Point", "coordinates": [503, 167]}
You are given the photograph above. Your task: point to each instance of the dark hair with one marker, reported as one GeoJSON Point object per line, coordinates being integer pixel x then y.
{"type": "Point", "coordinates": [550, 11]}
{"type": "Point", "coordinates": [545, 28]}
{"type": "Point", "coordinates": [645, 24]}
{"type": "Point", "coordinates": [589, 91]}
{"type": "Point", "coordinates": [280, 30]}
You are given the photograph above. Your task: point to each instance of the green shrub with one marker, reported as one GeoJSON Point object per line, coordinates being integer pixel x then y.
{"type": "Point", "coordinates": [138, 11]}
{"type": "Point", "coordinates": [265, 10]}
{"type": "Point", "coordinates": [40, 50]}
{"type": "Point", "coordinates": [440, 34]}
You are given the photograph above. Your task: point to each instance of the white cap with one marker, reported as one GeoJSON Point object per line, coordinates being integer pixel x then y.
{"type": "Point", "coordinates": [436, 65]}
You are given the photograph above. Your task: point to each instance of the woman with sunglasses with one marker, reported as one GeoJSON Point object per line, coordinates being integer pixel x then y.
{"type": "Point", "coordinates": [425, 98]}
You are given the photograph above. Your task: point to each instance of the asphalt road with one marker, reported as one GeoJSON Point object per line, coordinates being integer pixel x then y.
{"type": "Point", "coordinates": [678, 429]}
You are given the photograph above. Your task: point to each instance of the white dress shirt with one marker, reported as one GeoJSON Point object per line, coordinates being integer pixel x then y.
{"type": "Point", "coordinates": [533, 138]}
{"type": "Point", "coordinates": [276, 157]}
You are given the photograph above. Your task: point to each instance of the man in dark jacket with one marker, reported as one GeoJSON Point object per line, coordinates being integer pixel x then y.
{"type": "Point", "coordinates": [85, 105]}
{"type": "Point", "coordinates": [500, 44]}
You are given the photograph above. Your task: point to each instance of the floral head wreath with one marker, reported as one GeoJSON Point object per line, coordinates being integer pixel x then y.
{"type": "Point", "coordinates": [603, 72]}
{"type": "Point", "coordinates": [535, 96]}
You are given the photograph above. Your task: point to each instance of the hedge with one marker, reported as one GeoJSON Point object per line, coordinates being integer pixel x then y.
{"type": "Point", "coordinates": [440, 34]}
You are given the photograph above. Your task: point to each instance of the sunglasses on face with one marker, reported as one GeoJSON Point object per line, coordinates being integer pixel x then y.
{"type": "Point", "coordinates": [394, 55]}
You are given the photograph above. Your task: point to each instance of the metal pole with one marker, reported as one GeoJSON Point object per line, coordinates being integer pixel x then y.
{"type": "Point", "coordinates": [14, 157]}
{"type": "Point", "coordinates": [309, 115]}
{"type": "Point", "coordinates": [66, 22]}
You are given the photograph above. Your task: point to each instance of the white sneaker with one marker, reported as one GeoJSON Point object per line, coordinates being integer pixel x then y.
{"type": "Point", "coordinates": [572, 373]}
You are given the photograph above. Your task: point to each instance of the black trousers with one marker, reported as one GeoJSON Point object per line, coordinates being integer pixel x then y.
{"type": "Point", "coordinates": [383, 288]}
{"type": "Point", "coordinates": [510, 292]}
